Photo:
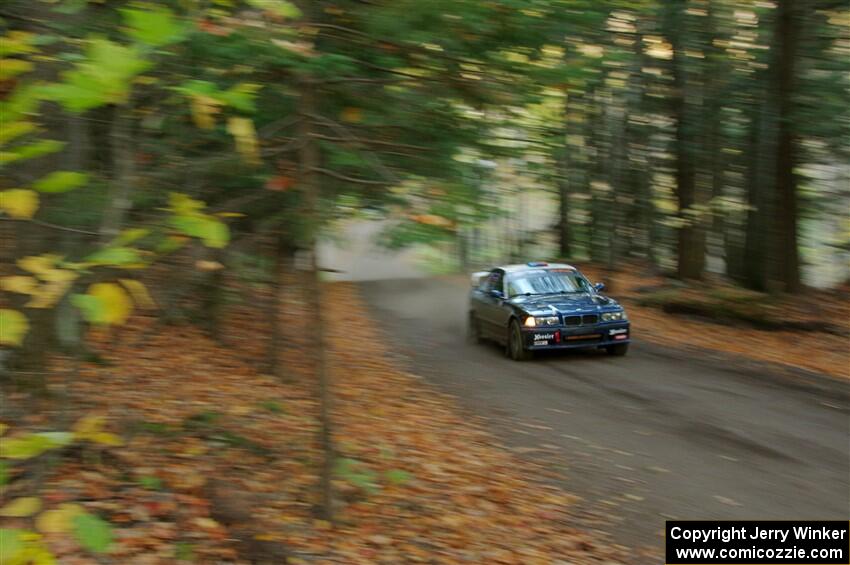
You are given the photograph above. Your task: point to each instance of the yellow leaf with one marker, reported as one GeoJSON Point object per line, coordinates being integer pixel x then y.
{"type": "Point", "coordinates": [87, 426]}
{"type": "Point", "coordinates": [11, 130]}
{"type": "Point", "coordinates": [3, 428]}
{"type": "Point", "coordinates": [204, 110]}
{"type": "Point", "coordinates": [48, 295]}
{"type": "Point", "coordinates": [139, 293]}
{"type": "Point", "coordinates": [58, 520]}
{"type": "Point", "coordinates": [21, 507]}
{"type": "Point", "coordinates": [116, 304]}
{"type": "Point", "coordinates": [242, 129]}
{"type": "Point", "coordinates": [13, 327]}
{"type": "Point", "coordinates": [58, 275]}
{"type": "Point", "coordinates": [106, 438]}
{"type": "Point", "coordinates": [90, 428]}
{"type": "Point", "coordinates": [20, 284]}
{"type": "Point", "coordinates": [19, 202]}
{"type": "Point", "coordinates": [12, 67]}
{"type": "Point", "coordinates": [38, 264]}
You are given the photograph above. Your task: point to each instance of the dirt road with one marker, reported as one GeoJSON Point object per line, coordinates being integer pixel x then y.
{"type": "Point", "coordinates": [659, 434]}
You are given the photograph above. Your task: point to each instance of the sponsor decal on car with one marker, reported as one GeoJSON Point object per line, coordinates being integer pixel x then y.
{"type": "Point", "coordinates": [545, 338]}
{"type": "Point", "coordinates": [620, 331]}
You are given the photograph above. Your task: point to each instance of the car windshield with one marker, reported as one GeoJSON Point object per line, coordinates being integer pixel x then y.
{"type": "Point", "coordinates": [550, 281]}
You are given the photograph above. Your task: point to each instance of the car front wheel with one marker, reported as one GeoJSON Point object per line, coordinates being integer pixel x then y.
{"type": "Point", "coordinates": [515, 348]}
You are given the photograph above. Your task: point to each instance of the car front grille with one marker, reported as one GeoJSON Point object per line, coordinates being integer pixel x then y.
{"type": "Point", "coordinates": [586, 320]}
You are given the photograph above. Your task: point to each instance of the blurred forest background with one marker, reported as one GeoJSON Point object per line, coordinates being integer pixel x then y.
{"type": "Point", "coordinates": [191, 155]}
{"type": "Point", "coordinates": [698, 135]}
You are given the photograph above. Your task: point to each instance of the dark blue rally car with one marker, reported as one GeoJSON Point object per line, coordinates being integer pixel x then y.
{"type": "Point", "coordinates": [540, 305]}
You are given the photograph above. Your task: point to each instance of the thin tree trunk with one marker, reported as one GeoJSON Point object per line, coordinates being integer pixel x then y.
{"type": "Point", "coordinates": [283, 263]}
{"type": "Point", "coordinates": [121, 146]}
{"type": "Point", "coordinates": [563, 170]}
{"type": "Point", "coordinates": [309, 160]}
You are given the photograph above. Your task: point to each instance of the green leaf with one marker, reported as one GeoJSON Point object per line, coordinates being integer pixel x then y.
{"type": "Point", "coordinates": [397, 476]}
{"type": "Point", "coordinates": [57, 439]}
{"type": "Point", "coordinates": [213, 232]}
{"type": "Point", "coordinates": [4, 473]}
{"type": "Point", "coordinates": [105, 76]}
{"type": "Point", "coordinates": [11, 545]}
{"type": "Point", "coordinates": [31, 151]}
{"type": "Point", "coordinates": [277, 7]}
{"type": "Point", "coordinates": [130, 235]}
{"type": "Point", "coordinates": [151, 483]}
{"type": "Point", "coordinates": [152, 25]}
{"type": "Point", "coordinates": [77, 94]}
{"type": "Point", "coordinates": [93, 533]}
{"type": "Point", "coordinates": [115, 256]}
{"type": "Point", "coordinates": [183, 551]}
{"type": "Point", "coordinates": [60, 181]}
{"type": "Point", "coordinates": [90, 306]}
{"type": "Point", "coordinates": [27, 447]}
{"type": "Point", "coordinates": [241, 97]}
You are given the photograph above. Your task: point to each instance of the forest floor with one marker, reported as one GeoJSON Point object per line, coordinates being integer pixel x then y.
{"type": "Point", "coordinates": [219, 463]}
{"type": "Point", "coordinates": [809, 331]}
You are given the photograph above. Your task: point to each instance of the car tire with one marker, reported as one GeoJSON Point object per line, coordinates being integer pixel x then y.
{"type": "Point", "coordinates": [514, 347]}
{"type": "Point", "coordinates": [473, 330]}
{"type": "Point", "coordinates": [617, 350]}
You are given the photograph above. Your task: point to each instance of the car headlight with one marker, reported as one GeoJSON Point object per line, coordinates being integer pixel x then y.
{"type": "Point", "coordinates": [614, 316]}
{"type": "Point", "coordinates": [533, 321]}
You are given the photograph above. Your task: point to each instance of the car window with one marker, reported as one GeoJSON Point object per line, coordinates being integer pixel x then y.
{"type": "Point", "coordinates": [547, 282]}
{"type": "Point", "coordinates": [494, 281]}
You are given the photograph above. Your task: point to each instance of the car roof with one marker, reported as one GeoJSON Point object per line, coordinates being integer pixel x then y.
{"type": "Point", "coordinates": [526, 267]}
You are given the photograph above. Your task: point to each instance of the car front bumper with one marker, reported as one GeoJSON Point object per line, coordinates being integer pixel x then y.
{"type": "Point", "coordinates": [598, 335]}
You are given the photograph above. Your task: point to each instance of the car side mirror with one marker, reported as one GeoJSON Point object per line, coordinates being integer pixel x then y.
{"type": "Point", "coordinates": [497, 293]}
{"type": "Point", "coordinates": [476, 278]}
{"type": "Point", "coordinates": [599, 287]}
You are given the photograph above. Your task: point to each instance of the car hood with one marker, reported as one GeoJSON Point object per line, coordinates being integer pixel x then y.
{"type": "Point", "coordinates": [564, 303]}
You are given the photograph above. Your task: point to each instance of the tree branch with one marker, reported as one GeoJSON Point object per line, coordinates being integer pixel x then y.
{"type": "Point", "coordinates": [49, 225]}
{"type": "Point", "coordinates": [346, 178]}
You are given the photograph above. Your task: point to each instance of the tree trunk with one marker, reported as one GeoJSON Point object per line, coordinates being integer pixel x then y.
{"type": "Point", "coordinates": [755, 263]}
{"type": "Point", "coordinates": [309, 160]}
{"type": "Point", "coordinates": [283, 264]}
{"type": "Point", "coordinates": [786, 255]}
{"type": "Point", "coordinates": [691, 237]}
{"type": "Point", "coordinates": [123, 165]}
{"type": "Point", "coordinates": [563, 171]}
